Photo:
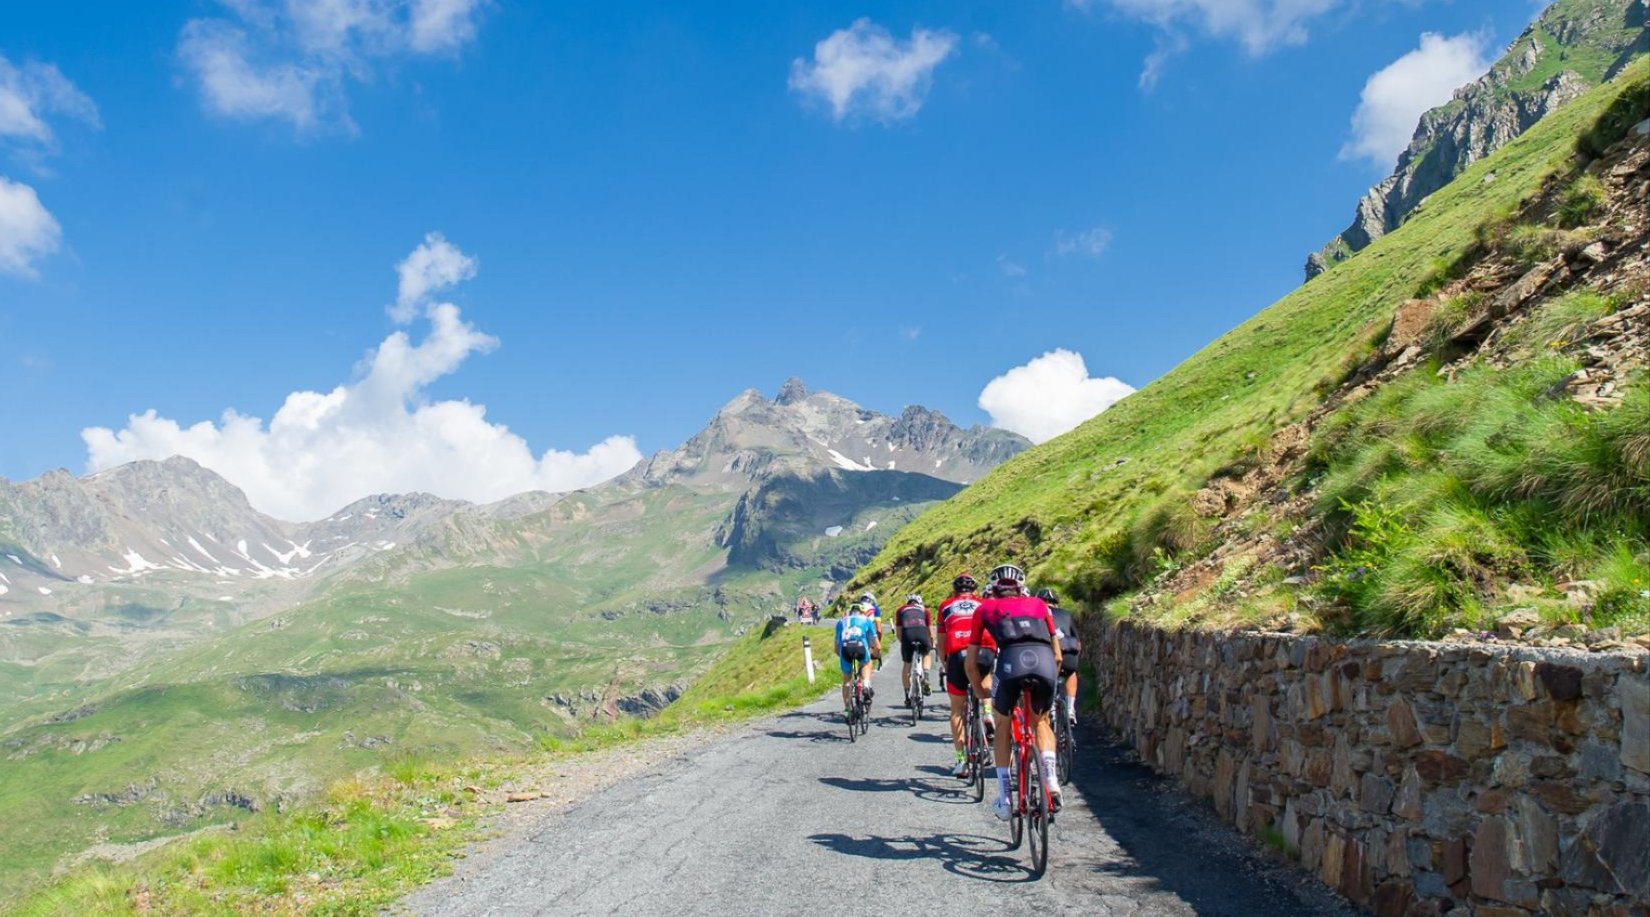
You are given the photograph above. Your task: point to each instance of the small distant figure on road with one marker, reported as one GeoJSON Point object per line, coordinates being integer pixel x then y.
{"type": "Point", "coordinates": [806, 611]}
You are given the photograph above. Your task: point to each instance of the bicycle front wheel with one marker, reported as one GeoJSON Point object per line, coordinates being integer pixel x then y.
{"type": "Point", "coordinates": [1065, 747]}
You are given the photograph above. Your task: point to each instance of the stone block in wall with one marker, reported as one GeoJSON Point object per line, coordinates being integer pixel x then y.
{"type": "Point", "coordinates": [1401, 725]}
{"type": "Point", "coordinates": [1376, 793]}
{"type": "Point", "coordinates": [1613, 854]}
{"type": "Point", "coordinates": [1633, 692]}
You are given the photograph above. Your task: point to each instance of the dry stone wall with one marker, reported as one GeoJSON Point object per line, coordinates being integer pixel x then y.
{"type": "Point", "coordinates": [1416, 778]}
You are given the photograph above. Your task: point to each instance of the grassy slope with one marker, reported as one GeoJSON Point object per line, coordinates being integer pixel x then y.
{"type": "Point", "coordinates": [1111, 487]}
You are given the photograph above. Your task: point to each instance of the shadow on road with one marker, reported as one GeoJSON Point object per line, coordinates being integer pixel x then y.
{"type": "Point", "coordinates": [945, 789]}
{"type": "Point", "coordinates": [1159, 828]}
{"type": "Point", "coordinates": [973, 856]}
{"type": "Point", "coordinates": [931, 738]}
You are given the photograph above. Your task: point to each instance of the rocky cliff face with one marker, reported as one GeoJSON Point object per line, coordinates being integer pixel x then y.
{"type": "Point", "coordinates": [1570, 48]}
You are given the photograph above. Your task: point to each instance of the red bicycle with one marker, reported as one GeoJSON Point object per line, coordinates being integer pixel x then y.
{"type": "Point", "coordinates": [1032, 806]}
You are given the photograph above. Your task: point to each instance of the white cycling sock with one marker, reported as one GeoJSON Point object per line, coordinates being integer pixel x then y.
{"type": "Point", "coordinates": [1051, 769]}
{"type": "Point", "coordinates": [1002, 781]}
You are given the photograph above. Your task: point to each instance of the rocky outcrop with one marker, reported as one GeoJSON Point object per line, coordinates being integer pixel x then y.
{"type": "Point", "coordinates": [1574, 45]}
{"type": "Point", "coordinates": [752, 438]}
{"type": "Point", "coordinates": [800, 520]}
{"type": "Point", "coordinates": [1415, 778]}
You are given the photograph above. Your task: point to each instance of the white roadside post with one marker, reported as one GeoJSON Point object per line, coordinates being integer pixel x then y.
{"type": "Point", "coordinates": [808, 658]}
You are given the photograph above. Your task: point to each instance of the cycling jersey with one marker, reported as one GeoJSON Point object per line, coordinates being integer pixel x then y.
{"type": "Point", "coordinates": [966, 601]}
{"type": "Point", "coordinates": [1013, 619]}
{"type": "Point", "coordinates": [957, 626]}
{"type": "Point", "coordinates": [854, 636]}
{"type": "Point", "coordinates": [1025, 633]}
{"type": "Point", "coordinates": [957, 623]}
{"type": "Point", "coordinates": [1070, 645]}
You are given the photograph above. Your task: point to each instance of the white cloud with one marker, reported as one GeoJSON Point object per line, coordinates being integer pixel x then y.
{"type": "Point", "coordinates": [294, 60]}
{"type": "Point", "coordinates": [378, 433]}
{"type": "Point", "coordinates": [1010, 267]}
{"type": "Point", "coordinates": [27, 231]}
{"type": "Point", "coordinates": [31, 92]}
{"type": "Point", "coordinates": [434, 265]}
{"type": "Point", "coordinates": [1049, 396]}
{"type": "Point", "coordinates": [1396, 96]}
{"type": "Point", "coordinates": [1259, 25]}
{"type": "Point", "coordinates": [1090, 243]}
{"type": "Point", "coordinates": [863, 71]}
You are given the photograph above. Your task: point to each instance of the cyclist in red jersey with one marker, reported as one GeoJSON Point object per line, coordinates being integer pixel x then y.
{"type": "Point", "coordinates": [956, 627]}
{"type": "Point", "coordinates": [1028, 661]}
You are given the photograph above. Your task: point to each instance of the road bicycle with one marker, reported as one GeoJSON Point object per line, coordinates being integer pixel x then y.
{"type": "Point", "coordinates": [859, 706]}
{"type": "Point", "coordinates": [976, 746]}
{"type": "Point", "coordinates": [1065, 737]}
{"type": "Point", "coordinates": [913, 690]}
{"type": "Point", "coordinates": [1031, 808]}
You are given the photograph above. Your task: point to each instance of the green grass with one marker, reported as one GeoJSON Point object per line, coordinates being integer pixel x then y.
{"type": "Point", "coordinates": [1101, 511]}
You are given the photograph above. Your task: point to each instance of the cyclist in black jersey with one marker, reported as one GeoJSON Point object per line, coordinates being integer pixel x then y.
{"type": "Point", "coordinates": [916, 638]}
{"type": "Point", "coordinates": [1071, 646]}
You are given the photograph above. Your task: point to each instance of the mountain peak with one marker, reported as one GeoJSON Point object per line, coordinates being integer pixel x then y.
{"type": "Point", "coordinates": [791, 392]}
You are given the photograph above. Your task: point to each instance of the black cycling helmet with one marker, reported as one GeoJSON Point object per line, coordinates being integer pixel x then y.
{"type": "Point", "coordinates": [964, 583]}
{"type": "Point", "coordinates": [1047, 595]}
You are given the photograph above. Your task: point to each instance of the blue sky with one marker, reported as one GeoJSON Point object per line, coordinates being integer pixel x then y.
{"type": "Point", "coordinates": [660, 200]}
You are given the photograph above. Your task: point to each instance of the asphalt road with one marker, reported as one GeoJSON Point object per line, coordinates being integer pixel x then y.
{"type": "Point", "coordinates": [789, 817]}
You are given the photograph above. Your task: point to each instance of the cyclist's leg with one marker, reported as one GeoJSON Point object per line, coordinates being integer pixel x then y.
{"type": "Point", "coordinates": [906, 652]}
{"type": "Point", "coordinates": [847, 681]}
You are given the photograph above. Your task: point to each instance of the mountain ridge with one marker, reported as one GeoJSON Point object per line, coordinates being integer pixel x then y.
{"type": "Point", "coordinates": [1571, 47]}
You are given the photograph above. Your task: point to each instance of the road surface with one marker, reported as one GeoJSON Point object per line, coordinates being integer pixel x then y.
{"type": "Point", "coordinates": [787, 816]}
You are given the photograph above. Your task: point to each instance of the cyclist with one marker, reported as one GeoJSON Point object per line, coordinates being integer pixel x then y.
{"type": "Point", "coordinates": [1071, 647]}
{"type": "Point", "coordinates": [856, 641]}
{"type": "Point", "coordinates": [916, 637]}
{"type": "Point", "coordinates": [875, 611]}
{"type": "Point", "coordinates": [956, 626]}
{"type": "Point", "coordinates": [1028, 662]}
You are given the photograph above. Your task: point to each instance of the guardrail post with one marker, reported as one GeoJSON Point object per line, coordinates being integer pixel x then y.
{"type": "Point", "coordinates": [808, 658]}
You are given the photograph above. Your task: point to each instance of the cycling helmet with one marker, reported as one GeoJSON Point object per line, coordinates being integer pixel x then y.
{"type": "Point", "coordinates": [913, 599]}
{"type": "Point", "coordinates": [1007, 575]}
{"type": "Point", "coordinates": [964, 583]}
{"type": "Point", "coordinates": [868, 597]}
{"type": "Point", "coordinates": [858, 608]}
{"type": "Point", "coordinates": [1048, 596]}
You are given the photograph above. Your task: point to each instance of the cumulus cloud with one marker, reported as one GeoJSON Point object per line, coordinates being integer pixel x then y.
{"type": "Point", "coordinates": [32, 92]}
{"type": "Point", "coordinates": [1396, 96]}
{"type": "Point", "coordinates": [1259, 26]}
{"type": "Point", "coordinates": [294, 60]}
{"type": "Point", "coordinates": [1090, 243]}
{"type": "Point", "coordinates": [1049, 396]}
{"type": "Point", "coordinates": [434, 265]}
{"type": "Point", "coordinates": [863, 71]}
{"type": "Point", "coordinates": [30, 96]}
{"type": "Point", "coordinates": [378, 433]}
{"type": "Point", "coordinates": [27, 231]}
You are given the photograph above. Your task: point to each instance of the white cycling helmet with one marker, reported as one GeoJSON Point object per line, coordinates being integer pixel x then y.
{"type": "Point", "coordinates": [913, 599]}
{"type": "Point", "coordinates": [1008, 575]}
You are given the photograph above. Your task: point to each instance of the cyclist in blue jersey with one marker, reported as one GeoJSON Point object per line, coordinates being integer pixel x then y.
{"type": "Point", "coordinates": [857, 640]}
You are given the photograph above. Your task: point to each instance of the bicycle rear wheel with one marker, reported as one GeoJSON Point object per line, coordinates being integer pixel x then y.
{"type": "Point", "coordinates": [1016, 802]}
{"type": "Point", "coordinates": [975, 749]}
{"type": "Point", "coordinates": [1037, 814]}
{"type": "Point", "coordinates": [852, 714]}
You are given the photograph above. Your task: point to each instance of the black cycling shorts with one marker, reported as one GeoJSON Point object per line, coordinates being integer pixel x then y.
{"type": "Point", "coordinates": [1028, 668]}
{"type": "Point", "coordinates": [1068, 664]}
{"type": "Point", "coordinates": [956, 668]}
{"type": "Point", "coordinates": [914, 642]}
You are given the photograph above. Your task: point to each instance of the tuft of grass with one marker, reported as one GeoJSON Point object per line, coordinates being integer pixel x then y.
{"type": "Point", "coordinates": [1581, 202]}
{"type": "Point", "coordinates": [1490, 480]}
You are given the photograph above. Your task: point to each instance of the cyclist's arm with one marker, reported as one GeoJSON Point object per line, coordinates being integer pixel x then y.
{"type": "Point", "coordinates": [971, 664]}
{"type": "Point", "coordinates": [1053, 628]}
